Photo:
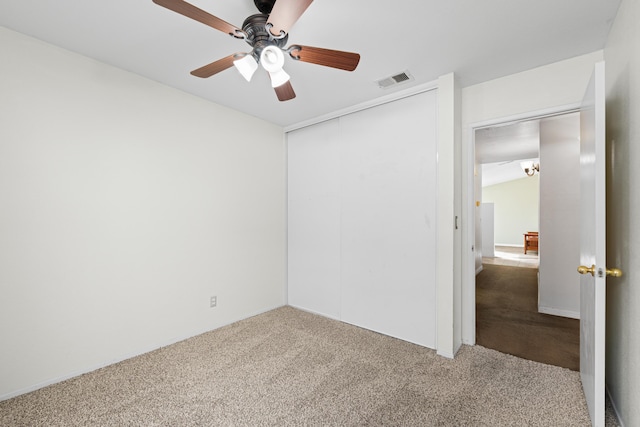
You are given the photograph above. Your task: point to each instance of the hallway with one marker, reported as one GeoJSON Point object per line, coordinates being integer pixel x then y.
{"type": "Point", "coordinates": [507, 317]}
{"type": "Point", "coordinates": [513, 257]}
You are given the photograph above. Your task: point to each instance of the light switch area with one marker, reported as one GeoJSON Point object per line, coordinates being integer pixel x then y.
{"type": "Point", "coordinates": [213, 301]}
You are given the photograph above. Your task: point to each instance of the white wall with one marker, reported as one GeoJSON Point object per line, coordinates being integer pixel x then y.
{"type": "Point", "coordinates": [548, 88]}
{"type": "Point", "coordinates": [517, 205]}
{"type": "Point", "coordinates": [487, 224]}
{"type": "Point", "coordinates": [125, 206]}
{"type": "Point", "coordinates": [559, 285]}
{"type": "Point", "coordinates": [362, 218]}
{"type": "Point", "coordinates": [622, 55]}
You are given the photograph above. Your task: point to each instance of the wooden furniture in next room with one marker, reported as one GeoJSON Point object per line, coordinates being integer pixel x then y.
{"type": "Point", "coordinates": [530, 241]}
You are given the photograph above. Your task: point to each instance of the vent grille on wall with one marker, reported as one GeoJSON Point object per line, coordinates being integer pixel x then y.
{"type": "Point", "coordinates": [395, 80]}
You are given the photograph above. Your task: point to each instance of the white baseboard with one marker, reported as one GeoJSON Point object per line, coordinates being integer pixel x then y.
{"type": "Point", "coordinates": [328, 316]}
{"type": "Point", "coordinates": [479, 269]}
{"type": "Point", "coordinates": [615, 408]}
{"type": "Point", "coordinates": [558, 312]}
{"type": "Point", "coordinates": [445, 354]}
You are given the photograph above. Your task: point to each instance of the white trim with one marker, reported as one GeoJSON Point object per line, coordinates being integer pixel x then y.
{"type": "Point", "coordinates": [448, 325]}
{"type": "Point", "coordinates": [286, 217]}
{"type": "Point", "coordinates": [325, 315]}
{"type": "Point", "coordinates": [556, 312]}
{"type": "Point", "coordinates": [523, 117]}
{"type": "Point", "coordinates": [468, 250]}
{"type": "Point", "coordinates": [615, 408]}
{"type": "Point", "coordinates": [425, 87]}
{"type": "Point", "coordinates": [468, 203]}
{"type": "Point", "coordinates": [448, 355]}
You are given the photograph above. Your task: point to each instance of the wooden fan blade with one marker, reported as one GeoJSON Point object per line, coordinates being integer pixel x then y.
{"type": "Point", "coordinates": [329, 58]}
{"type": "Point", "coordinates": [190, 11]}
{"type": "Point", "coordinates": [285, 92]}
{"type": "Point", "coordinates": [217, 66]}
{"type": "Point", "coordinates": [285, 13]}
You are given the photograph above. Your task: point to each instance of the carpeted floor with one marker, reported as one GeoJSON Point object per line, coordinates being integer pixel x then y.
{"type": "Point", "coordinates": [289, 367]}
{"type": "Point", "coordinates": [507, 319]}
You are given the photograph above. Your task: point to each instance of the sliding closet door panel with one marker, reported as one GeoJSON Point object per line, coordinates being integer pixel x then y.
{"type": "Point", "coordinates": [388, 222]}
{"type": "Point", "coordinates": [362, 218]}
{"type": "Point", "coordinates": [314, 218]}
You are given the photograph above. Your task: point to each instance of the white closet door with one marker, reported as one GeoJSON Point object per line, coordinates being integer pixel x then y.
{"type": "Point", "coordinates": [388, 224]}
{"type": "Point", "coordinates": [314, 218]}
{"type": "Point", "coordinates": [362, 218]}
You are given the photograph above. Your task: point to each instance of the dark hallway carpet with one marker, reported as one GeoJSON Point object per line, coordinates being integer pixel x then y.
{"type": "Point", "coordinates": [507, 319]}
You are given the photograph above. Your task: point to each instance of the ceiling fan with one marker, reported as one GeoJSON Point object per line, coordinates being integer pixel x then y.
{"type": "Point", "coordinates": [267, 33]}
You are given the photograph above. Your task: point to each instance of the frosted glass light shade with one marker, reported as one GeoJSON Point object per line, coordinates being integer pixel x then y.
{"type": "Point", "coordinates": [247, 66]}
{"type": "Point", "coordinates": [272, 60]}
{"type": "Point", "coordinates": [279, 78]}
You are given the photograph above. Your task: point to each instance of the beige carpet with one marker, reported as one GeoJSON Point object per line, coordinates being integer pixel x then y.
{"type": "Point", "coordinates": [288, 367]}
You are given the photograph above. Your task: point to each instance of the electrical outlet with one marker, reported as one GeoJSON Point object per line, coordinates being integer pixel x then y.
{"type": "Point", "coordinates": [213, 301]}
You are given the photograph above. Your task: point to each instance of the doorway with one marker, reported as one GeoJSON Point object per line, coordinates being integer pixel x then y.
{"type": "Point", "coordinates": [531, 314]}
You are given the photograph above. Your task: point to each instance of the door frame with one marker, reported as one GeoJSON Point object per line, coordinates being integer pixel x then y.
{"type": "Point", "coordinates": [469, 209]}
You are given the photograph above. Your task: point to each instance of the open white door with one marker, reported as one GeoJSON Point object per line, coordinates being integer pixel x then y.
{"type": "Point", "coordinates": [592, 245]}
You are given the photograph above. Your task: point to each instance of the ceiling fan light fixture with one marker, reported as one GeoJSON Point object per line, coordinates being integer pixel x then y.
{"type": "Point", "coordinates": [272, 59]}
{"type": "Point", "coordinates": [266, 48]}
{"type": "Point", "coordinates": [530, 168]}
{"type": "Point", "coordinates": [246, 66]}
{"type": "Point", "coordinates": [279, 78]}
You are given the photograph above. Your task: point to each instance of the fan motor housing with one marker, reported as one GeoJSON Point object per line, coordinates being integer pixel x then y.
{"type": "Point", "coordinates": [258, 36]}
{"type": "Point", "coordinates": [264, 6]}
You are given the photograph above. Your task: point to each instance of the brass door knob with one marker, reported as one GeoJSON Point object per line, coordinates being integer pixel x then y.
{"type": "Point", "coordinates": [586, 270]}
{"type": "Point", "coordinates": [613, 272]}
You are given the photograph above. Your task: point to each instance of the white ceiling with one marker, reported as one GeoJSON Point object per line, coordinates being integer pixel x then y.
{"type": "Point", "coordinates": [478, 40]}
{"type": "Point", "coordinates": [500, 149]}
{"type": "Point", "coordinates": [499, 172]}
{"type": "Point", "coordinates": [510, 142]}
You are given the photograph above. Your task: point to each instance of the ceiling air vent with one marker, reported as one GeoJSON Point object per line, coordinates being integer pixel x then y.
{"type": "Point", "coordinates": [394, 80]}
